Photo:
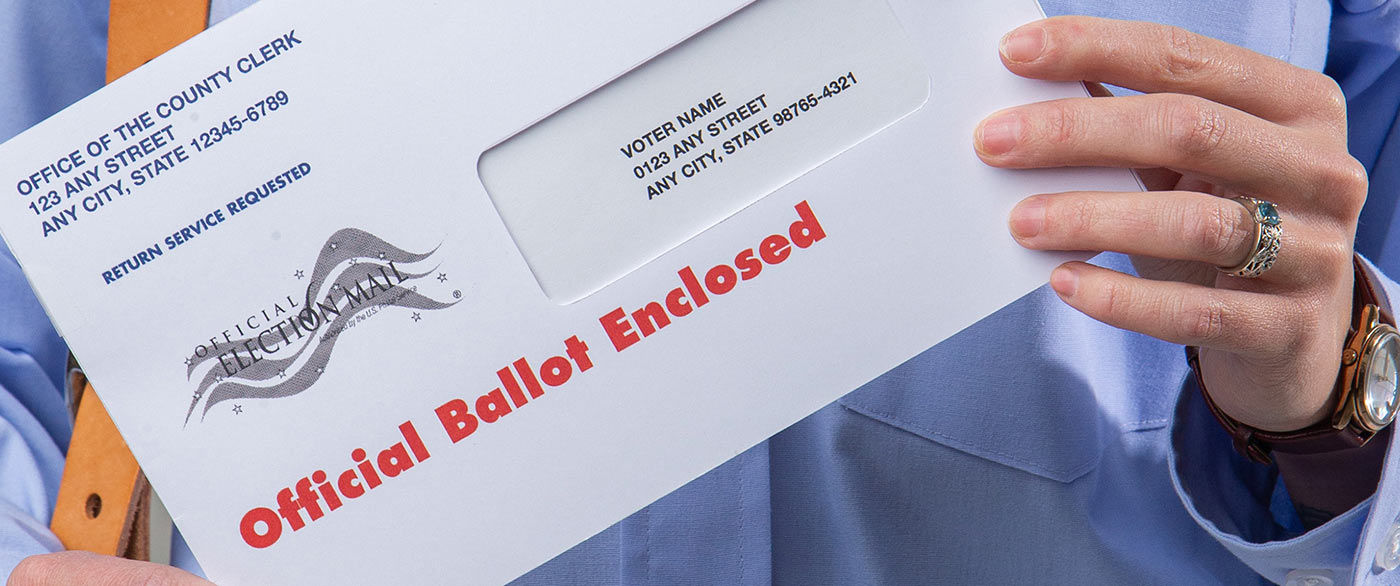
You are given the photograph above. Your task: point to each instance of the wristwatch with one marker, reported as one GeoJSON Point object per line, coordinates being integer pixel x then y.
{"type": "Point", "coordinates": [1367, 392]}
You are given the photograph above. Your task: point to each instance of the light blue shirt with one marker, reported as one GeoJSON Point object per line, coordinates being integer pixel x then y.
{"type": "Point", "coordinates": [1037, 447]}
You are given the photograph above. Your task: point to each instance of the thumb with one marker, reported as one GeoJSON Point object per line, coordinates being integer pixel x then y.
{"type": "Point", "coordinates": [80, 568]}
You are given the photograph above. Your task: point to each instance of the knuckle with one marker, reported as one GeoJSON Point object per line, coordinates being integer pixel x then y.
{"type": "Point", "coordinates": [1182, 57]}
{"type": "Point", "coordinates": [1218, 230]}
{"type": "Point", "coordinates": [1116, 302]}
{"type": "Point", "coordinates": [1343, 180]}
{"type": "Point", "coordinates": [1339, 182]}
{"type": "Point", "coordinates": [1061, 124]}
{"type": "Point", "coordinates": [1072, 217]}
{"type": "Point", "coordinates": [1335, 258]}
{"type": "Point", "coordinates": [1331, 103]}
{"type": "Point", "coordinates": [1206, 322]}
{"type": "Point", "coordinates": [1193, 127]}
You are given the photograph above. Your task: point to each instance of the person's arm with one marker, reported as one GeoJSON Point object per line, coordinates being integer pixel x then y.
{"type": "Point", "coordinates": [1215, 122]}
{"type": "Point", "coordinates": [51, 55]}
{"type": "Point", "coordinates": [34, 430]}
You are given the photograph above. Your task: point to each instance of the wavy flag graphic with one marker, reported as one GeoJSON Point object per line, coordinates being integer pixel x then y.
{"type": "Point", "coordinates": [355, 272]}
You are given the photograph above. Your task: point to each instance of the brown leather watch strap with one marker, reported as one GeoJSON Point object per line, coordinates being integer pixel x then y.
{"type": "Point", "coordinates": [1257, 443]}
{"type": "Point", "coordinates": [1365, 293]}
{"type": "Point", "coordinates": [1320, 438]}
{"type": "Point", "coordinates": [103, 500]}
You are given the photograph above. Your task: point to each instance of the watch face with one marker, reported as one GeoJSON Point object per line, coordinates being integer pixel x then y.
{"type": "Point", "coordinates": [1379, 396]}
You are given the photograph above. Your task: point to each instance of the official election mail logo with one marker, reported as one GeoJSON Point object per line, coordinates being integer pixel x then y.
{"type": "Point", "coordinates": [283, 348]}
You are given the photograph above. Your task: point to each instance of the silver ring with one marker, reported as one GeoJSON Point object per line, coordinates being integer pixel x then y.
{"type": "Point", "coordinates": [1268, 233]}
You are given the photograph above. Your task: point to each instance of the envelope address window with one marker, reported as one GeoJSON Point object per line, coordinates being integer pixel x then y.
{"type": "Point", "coordinates": [698, 133]}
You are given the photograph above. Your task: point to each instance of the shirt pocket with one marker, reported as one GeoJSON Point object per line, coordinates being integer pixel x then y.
{"type": "Point", "coordinates": [1036, 386]}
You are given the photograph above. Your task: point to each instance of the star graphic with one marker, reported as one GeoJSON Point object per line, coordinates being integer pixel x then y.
{"type": "Point", "coordinates": [383, 256]}
{"type": "Point", "coordinates": [334, 246]}
{"type": "Point", "coordinates": [299, 274]}
{"type": "Point", "coordinates": [320, 369]}
{"type": "Point", "coordinates": [282, 373]}
{"type": "Point", "coordinates": [189, 361]}
{"type": "Point", "coordinates": [442, 277]}
{"type": "Point", "coordinates": [417, 317]}
{"type": "Point", "coordinates": [336, 286]}
{"type": "Point", "coordinates": [353, 261]}
{"type": "Point", "coordinates": [237, 409]}
{"type": "Point", "coordinates": [218, 378]}
{"type": "Point", "coordinates": [198, 395]}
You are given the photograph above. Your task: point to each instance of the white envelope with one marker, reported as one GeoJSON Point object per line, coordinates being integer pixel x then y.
{"type": "Point", "coordinates": [382, 292]}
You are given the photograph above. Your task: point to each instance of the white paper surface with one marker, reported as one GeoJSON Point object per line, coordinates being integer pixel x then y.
{"type": "Point", "coordinates": [382, 111]}
{"type": "Point", "coordinates": [707, 138]}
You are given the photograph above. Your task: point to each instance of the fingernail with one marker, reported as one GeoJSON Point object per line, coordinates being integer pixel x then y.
{"type": "Point", "coordinates": [1023, 44]}
{"type": "Point", "coordinates": [999, 134]}
{"type": "Point", "coordinates": [1028, 218]}
{"type": "Point", "coordinates": [1065, 280]}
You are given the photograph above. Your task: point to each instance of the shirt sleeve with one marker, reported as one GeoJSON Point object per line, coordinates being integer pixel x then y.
{"type": "Point", "coordinates": [34, 424]}
{"type": "Point", "coordinates": [51, 54]}
{"type": "Point", "coordinates": [30, 468]}
{"type": "Point", "coordinates": [1245, 506]}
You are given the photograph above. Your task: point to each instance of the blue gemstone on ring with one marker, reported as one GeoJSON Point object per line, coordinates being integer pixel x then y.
{"type": "Point", "coordinates": [1269, 214]}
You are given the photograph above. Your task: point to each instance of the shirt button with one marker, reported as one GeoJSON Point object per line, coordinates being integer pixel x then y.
{"type": "Point", "coordinates": [1309, 578]}
{"type": "Point", "coordinates": [1388, 558]}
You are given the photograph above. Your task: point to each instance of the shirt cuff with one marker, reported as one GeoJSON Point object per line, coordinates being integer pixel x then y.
{"type": "Point", "coordinates": [1233, 500]}
{"type": "Point", "coordinates": [21, 536]}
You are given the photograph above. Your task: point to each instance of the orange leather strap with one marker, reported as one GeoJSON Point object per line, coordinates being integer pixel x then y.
{"type": "Point", "coordinates": [141, 30]}
{"type": "Point", "coordinates": [103, 501]}
{"type": "Point", "coordinates": [102, 484]}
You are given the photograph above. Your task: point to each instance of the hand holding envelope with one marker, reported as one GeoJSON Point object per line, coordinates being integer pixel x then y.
{"type": "Point", "coordinates": [550, 469]}
{"type": "Point", "coordinates": [1219, 121]}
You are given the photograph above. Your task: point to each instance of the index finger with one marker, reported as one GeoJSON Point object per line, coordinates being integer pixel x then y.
{"type": "Point", "coordinates": [1153, 58]}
